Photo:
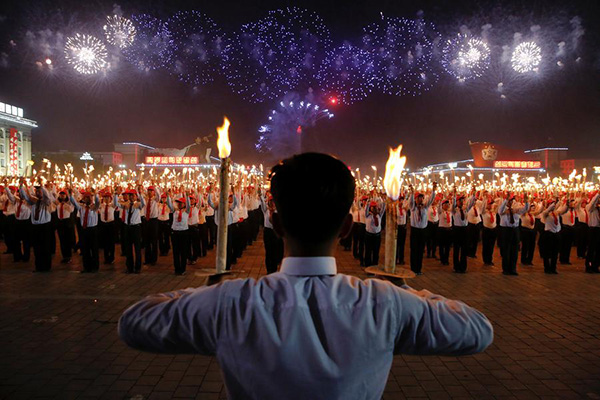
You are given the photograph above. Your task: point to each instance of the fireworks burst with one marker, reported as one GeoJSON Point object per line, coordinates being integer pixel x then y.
{"type": "Point", "coordinates": [465, 57]}
{"type": "Point", "coordinates": [347, 74]}
{"type": "Point", "coordinates": [86, 54]}
{"type": "Point", "coordinates": [282, 134]}
{"type": "Point", "coordinates": [151, 48]}
{"type": "Point", "coordinates": [402, 50]}
{"type": "Point", "coordinates": [526, 57]}
{"type": "Point", "coordinates": [119, 31]}
{"type": "Point", "coordinates": [198, 45]}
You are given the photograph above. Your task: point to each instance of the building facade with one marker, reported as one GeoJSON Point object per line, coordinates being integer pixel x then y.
{"type": "Point", "coordinates": [15, 140]}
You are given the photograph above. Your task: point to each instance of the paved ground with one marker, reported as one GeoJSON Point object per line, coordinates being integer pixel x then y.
{"type": "Point", "coordinates": [58, 335]}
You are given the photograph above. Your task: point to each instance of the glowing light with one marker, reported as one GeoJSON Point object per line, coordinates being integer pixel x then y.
{"type": "Point", "coordinates": [48, 61]}
{"type": "Point", "coordinates": [119, 31]}
{"type": "Point", "coordinates": [223, 143]}
{"type": "Point", "coordinates": [465, 57]}
{"type": "Point", "coordinates": [392, 181]}
{"type": "Point", "coordinates": [86, 54]}
{"type": "Point", "coordinates": [526, 57]}
{"type": "Point", "coordinates": [152, 46]}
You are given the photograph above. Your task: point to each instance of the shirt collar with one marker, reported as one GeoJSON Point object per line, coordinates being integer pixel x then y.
{"type": "Point", "coordinates": [309, 266]}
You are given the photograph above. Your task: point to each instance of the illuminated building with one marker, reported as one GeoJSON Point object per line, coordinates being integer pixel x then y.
{"type": "Point", "coordinates": [15, 140]}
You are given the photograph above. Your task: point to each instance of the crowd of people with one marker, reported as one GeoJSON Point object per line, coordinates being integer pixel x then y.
{"type": "Point", "coordinates": [157, 220]}
{"type": "Point", "coordinates": [151, 220]}
{"type": "Point", "coordinates": [440, 221]}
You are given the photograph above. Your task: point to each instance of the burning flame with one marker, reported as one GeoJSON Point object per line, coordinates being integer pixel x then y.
{"type": "Point", "coordinates": [392, 180]}
{"type": "Point", "coordinates": [223, 143]}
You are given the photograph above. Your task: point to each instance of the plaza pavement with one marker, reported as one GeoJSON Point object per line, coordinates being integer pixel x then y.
{"type": "Point", "coordinates": [58, 337]}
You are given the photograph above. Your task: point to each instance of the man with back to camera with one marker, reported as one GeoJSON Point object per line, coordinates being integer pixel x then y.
{"type": "Point", "coordinates": [306, 332]}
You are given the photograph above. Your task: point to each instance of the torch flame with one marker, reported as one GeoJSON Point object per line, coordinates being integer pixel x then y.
{"type": "Point", "coordinates": [392, 180]}
{"type": "Point", "coordinates": [223, 143]}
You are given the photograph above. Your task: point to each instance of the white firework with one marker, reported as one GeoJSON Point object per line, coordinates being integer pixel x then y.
{"type": "Point", "coordinates": [119, 31]}
{"type": "Point", "coordinates": [466, 57]}
{"type": "Point", "coordinates": [86, 54]}
{"type": "Point", "coordinates": [526, 57]}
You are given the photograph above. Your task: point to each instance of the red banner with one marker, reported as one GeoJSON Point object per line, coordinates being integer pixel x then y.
{"type": "Point", "coordinates": [517, 164]}
{"type": "Point", "coordinates": [170, 160]}
{"type": "Point", "coordinates": [485, 154]}
{"type": "Point", "coordinates": [13, 152]}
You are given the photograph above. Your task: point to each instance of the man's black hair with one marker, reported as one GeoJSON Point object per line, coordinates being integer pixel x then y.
{"type": "Point", "coordinates": [313, 193]}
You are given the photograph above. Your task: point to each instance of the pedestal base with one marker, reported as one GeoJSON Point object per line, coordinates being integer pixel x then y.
{"type": "Point", "coordinates": [400, 273]}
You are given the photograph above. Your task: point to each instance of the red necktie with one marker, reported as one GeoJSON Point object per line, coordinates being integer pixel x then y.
{"type": "Point", "coordinates": [164, 208]}
{"type": "Point", "coordinates": [179, 217]}
{"type": "Point", "coordinates": [572, 217]}
{"type": "Point", "coordinates": [400, 210]}
{"type": "Point", "coordinates": [475, 208]}
{"type": "Point", "coordinates": [376, 220]}
{"type": "Point", "coordinates": [19, 209]}
{"type": "Point", "coordinates": [531, 219]}
{"type": "Point", "coordinates": [447, 217]}
{"type": "Point", "coordinates": [123, 215]}
{"type": "Point", "coordinates": [434, 212]}
{"type": "Point", "coordinates": [491, 218]}
{"type": "Point", "coordinates": [586, 215]}
{"type": "Point", "coordinates": [148, 210]}
{"type": "Point", "coordinates": [106, 213]}
{"type": "Point", "coordinates": [60, 213]}
{"type": "Point", "coordinates": [555, 218]}
{"type": "Point", "coordinates": [85, 217]}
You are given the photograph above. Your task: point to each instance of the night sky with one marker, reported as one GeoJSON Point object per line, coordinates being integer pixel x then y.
{"type": "Point", "coordinates": [154, 108]}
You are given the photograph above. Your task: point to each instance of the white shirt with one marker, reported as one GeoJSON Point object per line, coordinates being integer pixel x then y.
{"type": "Point", "coordinates": [445, 220]}
{"type": "Point", "coordinates": [305, 332]}
{"type": "Point", "coordinates": [163, 211]}
{"type": "Point", "coordinates": [458, 219]}
{"type": "Point", "coordinates": [505, 214]}
{"type": "Point", "coordinates": [64, 209]}
{"type": "Point", "coordinates": [551, 217]}
{"type": "Point", "coordinates": [181, 216]}
{"type": "Point", "coordinates": [489, 218]}
{"type": "Point", "coordinates": [136, 217]}
{"type": "Point", "coordinates": [474, 214]}
{"type": "Point", "coordinates": [419, 215]}
{"type": "Point", "coordinates": [371, 227]}
{"type": "Point", "coordinates": [568, 218]}
{"type": "Point", "coordinates": [594, 219]}
{"type": "Point", "coordinates": [433, 215]}
{"type": "Point", "coordinates": [401, 211]}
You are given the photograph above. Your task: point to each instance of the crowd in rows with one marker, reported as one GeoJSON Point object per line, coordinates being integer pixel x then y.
{"type": "Point", "coordinates": [439, 221]}
{"type": "Point", "coordinates": [183, 221]}
{"type": "Point", "coordinates": [156, 220]}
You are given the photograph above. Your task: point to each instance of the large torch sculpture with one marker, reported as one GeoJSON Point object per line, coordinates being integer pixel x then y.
{"type": "Point", "coordinates": [392, 182]}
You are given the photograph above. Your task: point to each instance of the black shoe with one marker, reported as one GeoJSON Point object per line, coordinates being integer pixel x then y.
{"type": "Point", "coordinates": [180, 273]}
{"type": "Point", "coordinates": [514, 273]}
{"type": "Point", "coordinates": [418, 273]}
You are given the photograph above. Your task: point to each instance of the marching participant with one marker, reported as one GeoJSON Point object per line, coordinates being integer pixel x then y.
{"type": "Point", "coordinates": [419, 210]}
{"type": "Point", "coordinates": [164, 226]}
{"type": "Point", "coordinates": [474, 227]}
{"type": "Point", "coordinates": [402, 210]}
{"type": "Point", "coordinates": [21, 249]}
{"type": "Point", "coordinates": [445, 231]}
{"type": "Point", "coordinates": [88, 217]}
{"type": "Point", "coordinates": [582, 227]}
{"type": "Point", "coordinates": [528, 233]}
{"type": "Point", "coordinates": [459, 231]}
{"type": "Point", "coordinates": [433, 219]}
{"type": "Point", "coordinates": [359, 229]}
{"type": "Point", "coordinates": [567, 232]}
{"type": "Point", "coordinates": [488, 211]}
{"type": "Point", "coordinates": [510, 216]}
{"type": "Point", "coordinates": [106, 226]}
{"type": "Point", "coordinates": [41, 229]}
{"type": "Point", "coordinates": [373, 219]}
{"type": "Point", "coordinates": [65, 228]}
{"type": "Point", "coordinates": [273, 243]}
{"type": "Point", "coordinates": [180, 231]}
{"type": "Point", "coordinates": [193, 231]}
{"type": "Point", "coordinates": [10, 220]}
{"type": "Point", "coordinates": [552, 228]}
{"type": "Point", "coordinates": [150, 226]}
{"type": "Point", "coordinates": [131, 208]}
{"type": "Point", "coordinates": [592, 260]}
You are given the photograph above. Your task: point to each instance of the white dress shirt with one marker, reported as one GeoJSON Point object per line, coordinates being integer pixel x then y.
{"type": "Point", "coordinates": [508, 221]}
{"type": "Point", "coordinates": [135, 210]}
{"type": "Point", "coordinates": [445, 220]}
{"type": "Point", "coordinates": [163, 211]}
{"type": "Point", "coordinates": [42, 216]}
{"type": "Point", "coordinates": [305, 332]}
{"type": "Point", "coordinates": [419, 215]}
{"type": "Point", "coordinates": [568, 218]}
{"type": "Point", "coordinates": [370, 219]}
{"type": "Point", "coordinates": [458, 218]}
{"type": "Point", "coordinates": [551, 217]}
{"type": "Point", "coordinates": [401, 211]}
{"type": "Point", "coordinates": [433, 215]}
{"type": "Point", "coordinates": [107, 212]}
{"type": "Point", "coordinates": [594, 219]}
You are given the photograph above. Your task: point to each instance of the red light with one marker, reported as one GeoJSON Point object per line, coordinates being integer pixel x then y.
{"type": "Point", "coordinates": [333, 100]}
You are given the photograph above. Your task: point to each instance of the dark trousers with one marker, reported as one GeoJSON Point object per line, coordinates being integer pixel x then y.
{"type": "Point", "coordinates": [54, 222]}
{"type": "Point", "coordinates": [432, 239]}
{"type": "Point", "coordinates": [550, 249]}
{"type": "Point", "coordinates": [9, 232]}
{"type": "Point", "coordinates": [527, 245]}
{"type": "Point", "coordinates": [472, 239]}
{"type": "Point", "coordinates": [567, 235]}
{"type": "Point", "coordinates": [417, 246]}
{"type": "Point", "coordinates": [459, 250]}
{"type": "Point", "coordinates": [346, 242]}
{"type": "Point", "coordinates": [372, 245]}
{"type": "Point", "coordinates": [212, 231]}
{"type": "Point", "coordinates": [256, 215]}
{"type": "Point", "coordinates": [358, 241]}
{"type": "Point", "coordinates": [273, 250]}
{"type": "Point", "coordinates": [89, 249]}
{"type": "Point", "coordinates": [539, 228]}
{"type": "Point", "coordinates": [66, 237]}
{"type": "Point", "coordinates": [150, 239]}
{"type": "Point", "coordinates": [488, 241]}
{"type": "Point", "coordinates": [164, 237]}
{"type": "Point", "coordinates": [180, 243]}
{"type": "Point", "coordinates": [581, 238]}
{"type": "Point", "coordinates": [444, 243]}
{"type": "Point", "coordinates": [194, 240]}
{"type": "Point", "coordinates": [592, 260]}
{"type": "Point", "coordinates": [203, 231]}
{"type": "Point", "coordinates": [400, 244]}
{"type": "Point", "coordinates": [132, 242]}
{"type": "Point", "coordinates": [236, 241]}
{"type": "Point", "coordinates": [41, 241]}
{"type": "Point", "coordinates": [22, 244]}
{"type": "Point", "coordinates": [106, 231]}
{"type": "Point", "coordinates": [510, 249]}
